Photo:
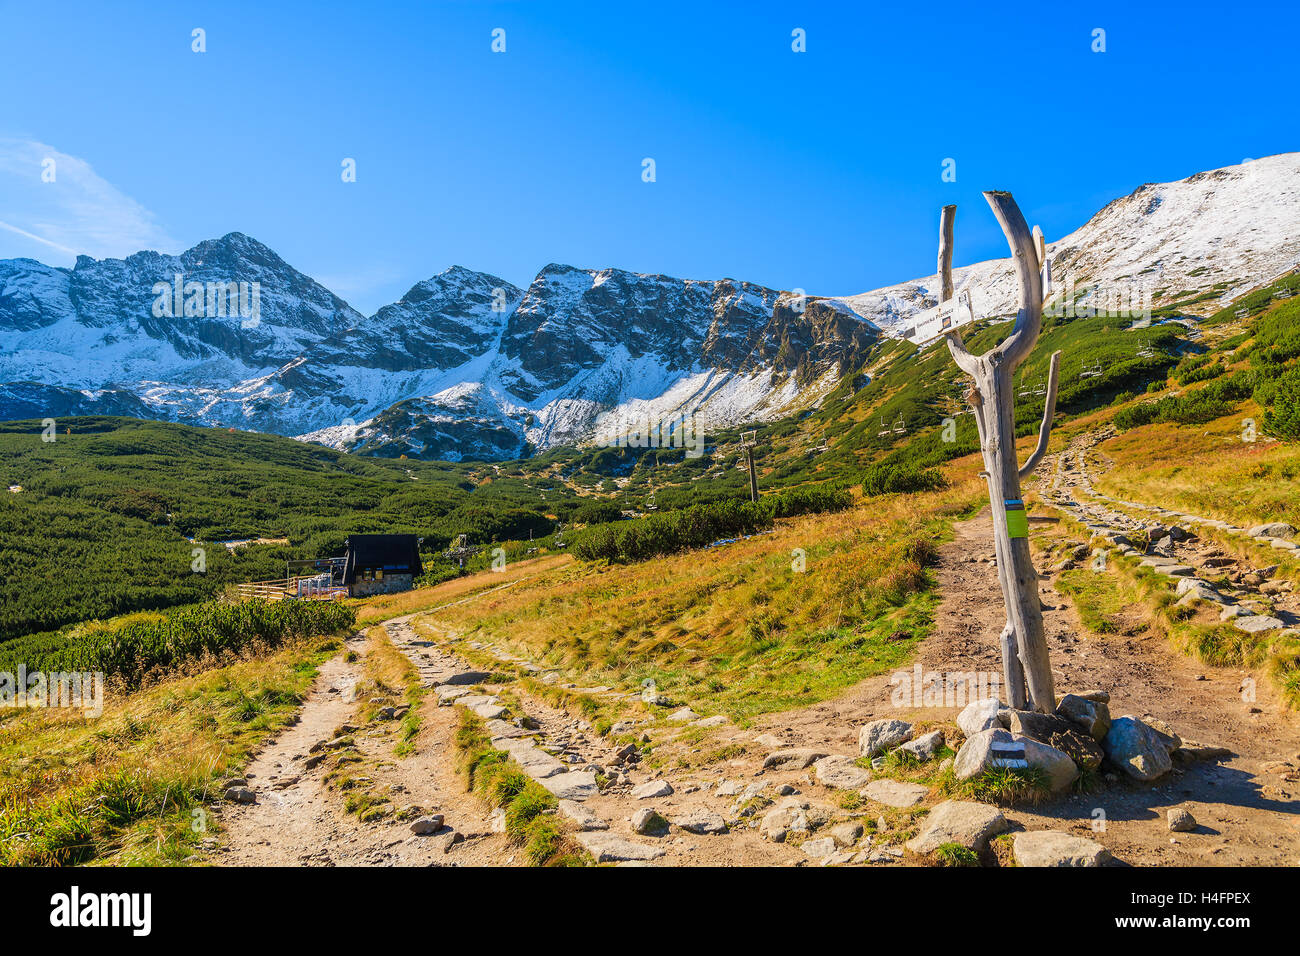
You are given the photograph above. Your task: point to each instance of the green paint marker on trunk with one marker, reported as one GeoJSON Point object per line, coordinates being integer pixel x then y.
{"type": "Point", "coordinates": [1017, 519]}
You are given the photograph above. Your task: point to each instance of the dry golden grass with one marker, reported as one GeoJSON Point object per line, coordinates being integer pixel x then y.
{"type": "Point", "coordinates": [1206, 470]}
{"type": "Point", "coordinates": [736, 628]}
{"type": "Point", "coordinates": [387, 606]}
{"type": "Point", "coordinates": [129, 786]}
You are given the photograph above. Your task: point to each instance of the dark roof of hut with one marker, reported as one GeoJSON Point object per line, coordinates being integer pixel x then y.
{"type": "Point", "coordinates": [396, 553]}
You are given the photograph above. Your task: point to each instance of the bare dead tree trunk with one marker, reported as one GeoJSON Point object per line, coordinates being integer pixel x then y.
{"type": "Point", "coordinates": [1026, 667]}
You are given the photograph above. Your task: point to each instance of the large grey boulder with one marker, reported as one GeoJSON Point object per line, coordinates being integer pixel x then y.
{"type": "Point", "coordinates": [993, 749]}
{"type": "Point", "coordinates": [1052, 848]}
{"type": "Point", "coordinates": [1138, 749]}
{"type": "Point", "coordinates": [981, 715]}
{"type": "Point", "coordinates": [881, 735]}
{"type": "Point", "coordinates": [1257, 623]}
{"type": "Point", "coordinates": [1277, 529]}
{"type": "Point", "coordinates": [958, 821]}
{"type": "Point", "coordinates": [1090, 716]}
{"type": "Point", "coordinates": [1059, 733]}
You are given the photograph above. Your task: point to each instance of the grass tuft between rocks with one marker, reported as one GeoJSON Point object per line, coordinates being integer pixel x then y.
{"type": "Point", "coordinates": [530, 817]}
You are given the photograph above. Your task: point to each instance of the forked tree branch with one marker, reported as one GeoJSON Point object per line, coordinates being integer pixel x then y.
{"type": "Point", "coordinates": [1049, 411]}
{"type": "Point", "coordinates": [1029, 319]}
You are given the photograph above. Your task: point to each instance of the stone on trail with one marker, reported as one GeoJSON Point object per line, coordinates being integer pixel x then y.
{"type": "Point", "coordinates": [792, 759]}
{"type": "Point", "coordinates": [449, 692]}
{"type": "Point", "coordinates": [820, 848]}
{"type": "Point", "coordinates": [608, 848]}
{"type": "Point", "coordinates": [573, 785]}
{"type": "Point", "coordinates": [582, 817]}
{"type": "Point", "coordinates": [444, 840]}
{"type": "Point", "coordinates": [466, 678]}
{"type": "Point", "coordinates": [648, 822]}
{"type": "Point", "coordinates": [895, 793]}
{"type": "Point", "coordinates": [771, 741]}
{"type": "Point", "coordinates": [241, 795]}
{"type": "Point", "coordinates": [535, 762]}
{"type": "Point", "coordinates": [1053, 848]}
{"type": "Point", "coordinates": [842, 772]}
{"type": "Point", "coordinates": [683, 715]}
{"type": "Point", "coordinates": [958, 821]}
{"type": "Point", "coordinates": [925, 746]}
{"type": "Point", "coordinates": [981, 715]}
{"type": "Point", "coordinates": [846, 834]}
{"type": "Point", "coordinates": [655, 788]}
{"type": "Point", "coordinates": [1091, 716]}
{"type": "Point", "coordinates": [991, 749]}
{"type": "Point", "coordinates": [1059, 733]}
{"type": "Point", "coordinates": [1180, 820]}
{"type": "Point", "coordinates": [701, 820]}
{"type": "Point", "coordinates": [1257, 623]}
{"type": "Point", "coordinates": [1277, 529]}
{"type": "Point", "coordinates": [501, 730]}
{"type": "Point", "coordinates": [427, 825]}
{"type": "Point", "coordinates": [717, 720]}
{"type": "Point", "coordinates": [792, 815]}
{"type": "Point", "coordinates": [1138, 749]}
{"type": "Point", "coordinates": [881, 735]}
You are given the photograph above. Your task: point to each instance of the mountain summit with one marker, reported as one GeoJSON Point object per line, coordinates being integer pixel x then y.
{"type": "Point", "coordinates": [466, 365]}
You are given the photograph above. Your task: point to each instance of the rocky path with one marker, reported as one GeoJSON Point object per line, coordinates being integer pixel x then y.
{"type": "Point", "coordinates": [296, 820]}
{"type": "Point", "coordinates": [1251, 597]}
{"type": "Point", "coordinates": [789, 790]}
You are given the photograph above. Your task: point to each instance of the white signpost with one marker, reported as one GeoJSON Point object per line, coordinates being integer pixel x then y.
{"type": "Point", "coordinates": [934, 324]}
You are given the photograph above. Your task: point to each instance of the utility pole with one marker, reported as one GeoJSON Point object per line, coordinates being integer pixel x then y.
{"type": "Point", "coordinates": [1027, 669]}
{"type": "Point", "coordinates": [748, 440]}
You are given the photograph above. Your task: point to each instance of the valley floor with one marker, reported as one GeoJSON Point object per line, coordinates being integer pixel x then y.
{"type": "Point", "coordinates": [1245, 804]}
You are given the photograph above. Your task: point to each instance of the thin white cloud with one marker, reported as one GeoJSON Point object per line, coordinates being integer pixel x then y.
{"type": "Point", "coordinates": [78, 213]}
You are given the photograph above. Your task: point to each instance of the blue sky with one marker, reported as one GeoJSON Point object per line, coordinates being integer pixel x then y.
{"type": "Point", "coordinates": [818, 170]}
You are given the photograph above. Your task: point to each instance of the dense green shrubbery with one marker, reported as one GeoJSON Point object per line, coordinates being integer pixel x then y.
{"type": "Point", "coordinates": [1193, 408]}
{"type": "Point", "coordinates": [1281, 400]}
{"type": "Point", "coordinates": [131, 648]}
{"type": "Point", "coordinates": [597, 512]}
{"type": "Point", "coordinates": [100, 527]}
{"type": "Point", "coordinates": [1277, 380]}
{"type": "Point", "coordinates": [669, 532]}
{"type": "Point", "coordinates": [1198, 368]}
{"type": "Point", "coordinates": [807, 500]}
{"type": "Point", "coordinates": [890, 477]}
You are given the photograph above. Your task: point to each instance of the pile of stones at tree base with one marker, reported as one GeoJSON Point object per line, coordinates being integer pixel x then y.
{"type": "Point", "coordinates": [1081, 734]}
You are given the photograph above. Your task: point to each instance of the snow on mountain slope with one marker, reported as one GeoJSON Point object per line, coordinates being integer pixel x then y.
{"type": "Point", "coordinates": [97, 324]}
{"type": "Point", "coordinates": [581, 344]}
{"type": "Point", "coordinates": [466, 365]}
{"type": "Point", "coordinates": [1226, 231]}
